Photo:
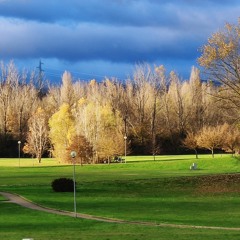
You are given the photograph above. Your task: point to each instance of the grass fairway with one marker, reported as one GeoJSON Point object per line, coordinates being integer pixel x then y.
{"type": "Point", "coordinates": [161, 191]}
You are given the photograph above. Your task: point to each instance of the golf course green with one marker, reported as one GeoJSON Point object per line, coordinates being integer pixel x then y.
{"type": "Point", "coordinates": [194, 204]}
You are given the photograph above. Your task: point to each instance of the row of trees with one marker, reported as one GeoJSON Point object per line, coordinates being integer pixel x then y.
{"type": "Point", "coordinates": [155, 110]}
{"type": "Point", "coordinates": [223, 137]}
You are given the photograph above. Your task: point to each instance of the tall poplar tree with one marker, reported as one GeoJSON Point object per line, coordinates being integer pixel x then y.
{"type": "Point", "coordinates": [62, 131]}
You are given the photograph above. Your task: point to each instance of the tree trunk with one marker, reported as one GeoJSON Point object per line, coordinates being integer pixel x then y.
{"type": "Point", "coordinates": [212, 150]}
{"type": "Point", "coordinates": [196, 153]}
{"type": "Point", "coordinates": [39, 157]}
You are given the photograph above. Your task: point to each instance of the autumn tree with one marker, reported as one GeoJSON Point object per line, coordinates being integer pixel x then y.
{"type": "Point", "coordinates": [93, 92]}
{"type": "Point", "coordinates": [37, 137]}
{"type": "Point", "coordinates": [176, 109]}
{"type": "Point", "coordinates": [195, 94]}
{"type": "Point", "coordinates": [5, 98]}
{"type": "Point", "coordinates": [152, 108]}
{"type": "Point", "coordinates": [9, 82]}
{"type": "Point", "coordinates": [156, 80]}
{"type": "Point", "coordinates": [178, 104]}
{"type": "Point", "coordinates": [67, 90]}
{"type": "Point", "coordinates": [68, 93]}
{"type": "Point", "coordinates": [231, 141]}
{"type": "Point", "coordinates": [142, 93]}
{"type": "Point", "coordinates": [83, 148]}
{"type": "Point", "coordinates": [220, 56]}
{"type": "Point", "coordinates": [18, 99]}
{"type": "Point", "coordinates": [111, 136]}
{"type": "Point", "coordinates": [24, 103]}
{"type": "Point", "coordinates": [62, 131]}
{"type": "Point", "coordinates": [87, 122]}
{"type": "Point", "coordinates": [101, 126]}
{"type": "Point", "coordinates": [167, 109]}
{"type": "Point", "coordinates": [211, 138]}
{"type": "Point", "coordinates": [190, 142]}
{"type": "Point", "coordinates": [114, 93]}
{"type": "Point", "coordinates": [221, 60]}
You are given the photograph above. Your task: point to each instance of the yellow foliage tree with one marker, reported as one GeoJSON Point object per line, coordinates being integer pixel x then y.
{"type": "Point", "coordinates": [190, 142]}
{"type": "Point", "coordinates": [231, 139]}
{"type": "Point", "coordinates": [220, 58]}
{"type": "Point", "coordinates": [62, 131]}
{"type": "Point", "coordinates": [101, 126]}
{"type": "Point", "coordinates": [212, 137]}
{"type": "Point", "coordinates": [110, 139]}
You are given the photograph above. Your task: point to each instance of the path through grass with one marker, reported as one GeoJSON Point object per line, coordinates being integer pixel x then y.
{"type": "Point", "coordinates": [159, 191]}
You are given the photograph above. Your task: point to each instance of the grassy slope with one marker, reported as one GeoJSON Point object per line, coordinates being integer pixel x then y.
{"type": "Point", "coordinates": [18, 223]}
{"type": "Point", "coordinates": [142, 189]}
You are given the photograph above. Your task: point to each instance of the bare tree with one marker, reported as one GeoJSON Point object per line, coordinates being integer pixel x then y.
{"type": "Point", "coordinates": [140, 101]}
{"type": "Point", "coordinates": [17, 101]}
{"type": "Point", "coordinates": [24, 103]}
{"type": "Point", "coordinates": [9, 78]}
{"type": "Point", "coordinates": [67, 91]}
{"type": "Point", "coordinates": [37, 137]}
{"type": "Point", "coordinates": [178, 104]}
{"type": "Point", "coordinates": [195, 106]}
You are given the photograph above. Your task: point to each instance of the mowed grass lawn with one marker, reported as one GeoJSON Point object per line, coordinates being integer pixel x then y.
{"type": "Point", "coordinates": [160, 191]}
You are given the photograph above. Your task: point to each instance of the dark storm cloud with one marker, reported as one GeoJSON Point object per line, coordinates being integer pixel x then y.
{"type": "Point", "coordinates": [106, 11]}
{"type": "Point", "coordinates": [92, 41]}
{"type": "Point", "coordinates": [111, 31]}
{"type": "Point", "coordinates": [122, 12]}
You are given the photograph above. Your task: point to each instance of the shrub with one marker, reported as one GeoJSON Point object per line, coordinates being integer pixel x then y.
{"type": "Point", "coordinates": [63, 185]}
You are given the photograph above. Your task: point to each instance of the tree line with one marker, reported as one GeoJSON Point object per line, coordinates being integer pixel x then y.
{"type": "Point", "coordinates": [151, 113]}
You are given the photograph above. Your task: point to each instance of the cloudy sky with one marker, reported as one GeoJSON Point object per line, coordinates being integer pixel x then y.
{"type": "Point", "coordinates": [98, 38]}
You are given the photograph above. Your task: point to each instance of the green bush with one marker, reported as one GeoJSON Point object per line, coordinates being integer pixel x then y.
{"type": "Point", "coordinates": [63, 185]}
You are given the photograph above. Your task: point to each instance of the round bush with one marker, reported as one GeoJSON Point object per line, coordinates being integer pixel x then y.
{"type": "Point", "coordinates": [63, 185]}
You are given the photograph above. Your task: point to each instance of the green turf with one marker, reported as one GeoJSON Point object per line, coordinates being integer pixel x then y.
{"type": "Point", "coordinates": [18, 223]}
{"type": "Point", "coordinates": [2, 198]}
{"type": "Point", "coordinates": [161, 191]}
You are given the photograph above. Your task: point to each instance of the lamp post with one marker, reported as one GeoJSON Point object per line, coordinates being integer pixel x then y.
{"type": "Point", "coordinates": [125, 136]}
{"type": "Point", "coordinates": [125, 140]}
{"type": "Point", "coordinates": [73, 155]}
{"type": "Point", "coordinates": [19, 153]}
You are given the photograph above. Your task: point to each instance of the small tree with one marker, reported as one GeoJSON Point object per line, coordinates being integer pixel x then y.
{"type": "Point", "coordinates": [232, 139]}
{"type": "Point", "coordinates": [190, 142]}
{"type": "Point", "coordinates": [83, 149]}
{"type": "Point", "coordinates": [110, 144]}
{"type": "Point", "coordinates": [211, 137]}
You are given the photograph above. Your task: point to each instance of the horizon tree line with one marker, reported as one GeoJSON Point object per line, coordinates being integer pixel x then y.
{"type": "Point", "coordinates": [157, 112]}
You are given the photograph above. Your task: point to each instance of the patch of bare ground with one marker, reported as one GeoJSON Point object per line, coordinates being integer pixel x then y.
{"type": "Point", "coordinates": [218, 184]}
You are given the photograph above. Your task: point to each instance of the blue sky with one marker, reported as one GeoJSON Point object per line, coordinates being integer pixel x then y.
{"type": "Point", "coordinates": [98, 38]}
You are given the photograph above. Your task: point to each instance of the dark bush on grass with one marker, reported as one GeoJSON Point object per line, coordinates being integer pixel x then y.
{"type": "Point", "coordinates": [62, 185]}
